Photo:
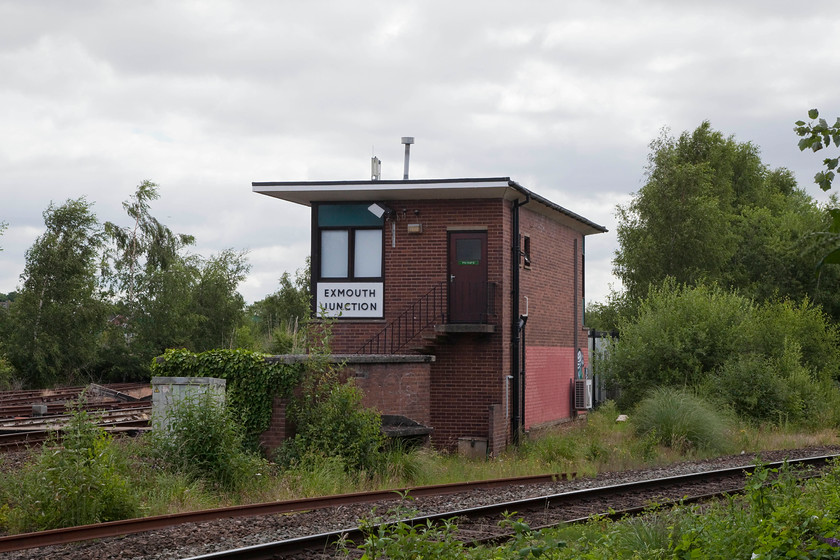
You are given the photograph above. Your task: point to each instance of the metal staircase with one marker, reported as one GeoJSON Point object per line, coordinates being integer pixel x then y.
{"type": "Point", "coordinates": [429, 309]}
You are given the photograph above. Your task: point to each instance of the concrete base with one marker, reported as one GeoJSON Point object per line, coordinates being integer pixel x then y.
{"type": "Point", "coordinates": [472, 448]}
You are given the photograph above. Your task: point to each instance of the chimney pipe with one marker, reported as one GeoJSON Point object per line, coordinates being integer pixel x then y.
{"type": "Point", "coordinates": [408, 141]}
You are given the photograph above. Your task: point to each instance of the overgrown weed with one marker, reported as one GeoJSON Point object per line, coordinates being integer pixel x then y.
{"type": "Point", "coordinates": [199, 438]}
{"type": "Point", "coordinates": [78, 479]}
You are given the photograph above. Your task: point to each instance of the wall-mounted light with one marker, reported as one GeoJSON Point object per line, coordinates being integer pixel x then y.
{"type": "Point", "coordinates": [379, 210]}
{"type": "Point", "coordinates": [415, 228]}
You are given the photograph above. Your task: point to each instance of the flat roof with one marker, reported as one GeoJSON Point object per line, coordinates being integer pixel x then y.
{"type": "Point", "coordinates": [307, 192]}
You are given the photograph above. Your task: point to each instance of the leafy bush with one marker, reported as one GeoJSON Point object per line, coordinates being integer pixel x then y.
{"type": "Point", "coordinates": [777, 389]}
{"type": "Point", "coordinates": [680, 336]}
{"type": "Point", "coordinates": [681, 420]}
{"type": "Point", "coordinates": [80, 480]}
{"type": "Point", "coordinates": [8, 376]}
{"type": "Point", "coordinates": [252, 382]}
{"type": "Point", "coordinates": [776, 362]}
{"type": "Point", "coordinates": [328, 415]}
{"type": "Point", "coordinates": [201, 439]}
{"type": "Point", "coordinates": [332, 423]}
{"type": "Point", "coordinates": [775, 326]}
{"type": "Point", "coordinates": [753, 386]}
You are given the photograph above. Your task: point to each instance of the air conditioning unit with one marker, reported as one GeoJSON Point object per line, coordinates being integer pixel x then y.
{"type": "Point", "coordinates": [583, 394]}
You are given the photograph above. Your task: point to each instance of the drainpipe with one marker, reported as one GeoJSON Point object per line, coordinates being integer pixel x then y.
{"type": "Point", "coordinates": [517, 362]}
{"type": "Point", "coordinates": [575, 289]}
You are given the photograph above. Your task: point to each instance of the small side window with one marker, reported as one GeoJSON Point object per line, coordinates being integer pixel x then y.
{"type": "Point", "coordinates": [526, 251]}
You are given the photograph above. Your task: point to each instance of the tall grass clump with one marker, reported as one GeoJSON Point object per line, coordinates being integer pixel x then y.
{"type": "Point", "coordinates": [81, 479]}
{"type": "Point", "coordinates": [681, 420]}
{"type": "Point", "coordinates": [200, 438]}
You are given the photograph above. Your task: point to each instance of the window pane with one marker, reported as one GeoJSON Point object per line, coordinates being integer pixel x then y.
{"type": "Point", "coordinates": [368, 253]}
{"type": "Point", "coordinates": [468, 251]}
{"type": "Point", "coordinates": [334, 253]}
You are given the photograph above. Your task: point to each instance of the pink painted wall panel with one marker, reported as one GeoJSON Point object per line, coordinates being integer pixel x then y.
{"type": "Point", "coordinates": [548, 374]}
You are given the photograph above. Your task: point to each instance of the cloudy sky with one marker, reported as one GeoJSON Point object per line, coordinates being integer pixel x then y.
{"type": "Point", "coordinates": [205, 97]}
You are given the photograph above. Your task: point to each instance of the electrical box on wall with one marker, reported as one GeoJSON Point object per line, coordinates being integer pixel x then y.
{"type": "Point", "coordinates": [583, 394]}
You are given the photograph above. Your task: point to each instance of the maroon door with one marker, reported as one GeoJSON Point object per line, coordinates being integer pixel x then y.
{"type": "Point", "coordinates": [467, 277]}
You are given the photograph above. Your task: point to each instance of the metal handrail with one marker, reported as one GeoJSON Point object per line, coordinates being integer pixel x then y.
{"type": "Point", "coordinates": [427, 310]}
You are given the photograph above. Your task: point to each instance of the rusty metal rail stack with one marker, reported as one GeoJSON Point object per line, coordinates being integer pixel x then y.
{"type": "Point", "coordinates": [30, 417]}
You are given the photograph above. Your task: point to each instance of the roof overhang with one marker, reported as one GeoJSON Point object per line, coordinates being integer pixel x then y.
{"type": "Point", "coordinates": [308, 192]}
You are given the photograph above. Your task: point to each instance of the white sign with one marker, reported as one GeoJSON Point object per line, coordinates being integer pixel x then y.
{"type": "Point", "coordinates": [350, 299]}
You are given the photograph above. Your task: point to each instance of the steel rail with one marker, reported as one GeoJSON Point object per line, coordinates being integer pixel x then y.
{"type": "Point", "coordinates": [118, 528]}
{"type": "Point", "coordinates": [17, 413]}
{"type": "Point", "coordinates": [273, 550]}
{"type": "Point", "coordinates": [21, 440]}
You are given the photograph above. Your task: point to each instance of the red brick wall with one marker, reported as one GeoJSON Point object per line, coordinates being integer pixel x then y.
{"type": "Point", "coordinates": [549, 282]}
{"type": "Point", "coordinates": [467, 385]}
{"type": "Point", "coordinates": [417, 262]}
{"type": "Point", "coordinates": [467, 379]}
{"type": "Point", "coordinates": [549, 334]}
{"type": "Point", "coordinates": [547, 384]}
{"type": "Point", "coordinates": [278, 428]}
{"type": "Point", "coordinates": [395, 388]}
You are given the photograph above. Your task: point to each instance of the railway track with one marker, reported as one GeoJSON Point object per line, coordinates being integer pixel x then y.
{"type": "Point", "coordinates": [129, 526]}
{"type": "Point", "coordinates": [478, 523]}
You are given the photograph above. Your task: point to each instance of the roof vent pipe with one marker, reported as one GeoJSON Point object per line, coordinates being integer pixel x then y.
{"type": "Point", "coordinates": [408, 141]}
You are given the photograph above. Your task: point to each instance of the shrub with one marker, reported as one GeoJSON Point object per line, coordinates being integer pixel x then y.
{"type": "Point", "coordinates": [252, 382]}
{"type": "Point", "coordinates": [775, 326]}
{"type": "Point", "coordinates": [8, 376]}
{"type": "Point", "coordinates": [201, 439]}
{"type": "Point", "coordinates": [332, 423]}
{"type": "Point", "coordinates": [681, 420]}
{"type": "Point", "coordinates": [680, 336]}
{"type": "Point", "coordinates": [80, 480]}
{"type": "Point", "coordinates": [752, 386]}
{"type": "Point", "coordinates": [776, 389]}
{"type": "Point", "coordinates": [328, 415]}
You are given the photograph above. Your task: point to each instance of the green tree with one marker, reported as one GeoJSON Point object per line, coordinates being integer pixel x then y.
{"type": "Point", "coordinates": [216, 302]}
{"type": "Point", "coordinates": [816, 135]}
{"type": "Point", "coordinates": [279, 317]}
{"type": "Point", "coordinates": [711, 211]}
{"type": "Point", "coordinates": [52, 330]}
{"type": "Point", "coordinates": [141, 248]}
{"type": "Point", "coordinates": [151, 283]}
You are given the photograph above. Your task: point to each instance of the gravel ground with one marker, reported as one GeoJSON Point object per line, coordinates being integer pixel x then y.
{"type": "Point", "coordinates": [190, 540]}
